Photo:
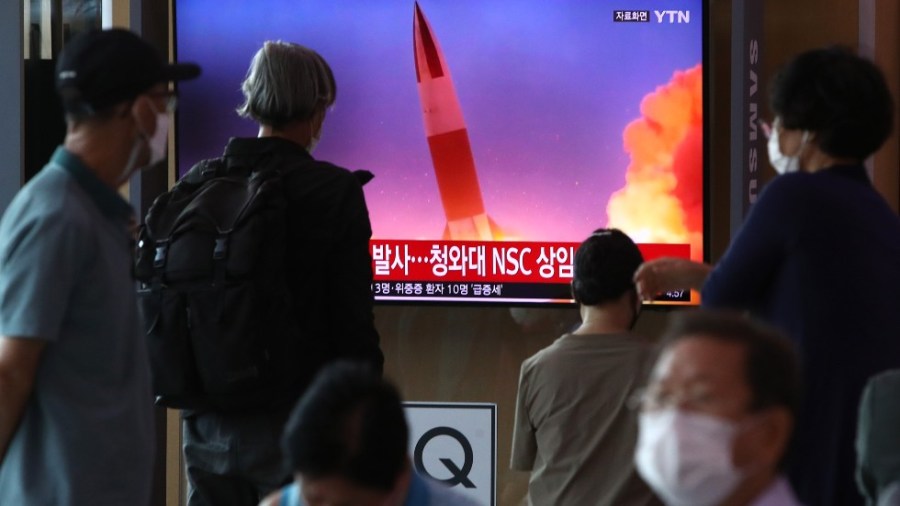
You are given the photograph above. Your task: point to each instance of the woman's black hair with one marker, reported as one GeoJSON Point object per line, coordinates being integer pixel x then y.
{"type": "Point", "coordinates": [841, 97]}
{"type": "Point", "coordinates": [604, 267]}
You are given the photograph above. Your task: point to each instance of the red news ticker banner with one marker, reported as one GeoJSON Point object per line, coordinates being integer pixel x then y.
{"type": "Point", "coordinates": [490, 261]}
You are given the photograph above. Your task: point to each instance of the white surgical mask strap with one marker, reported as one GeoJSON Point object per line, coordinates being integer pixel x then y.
{"type": "Point", "coordinates": [313, 135]}
{"type": "Point", "coordinates": [804, 138]}
{"type": "Point", "coordinates": [637, 306]}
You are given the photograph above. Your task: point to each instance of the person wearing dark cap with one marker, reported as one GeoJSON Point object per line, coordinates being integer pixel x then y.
{"type": "Point", "coordinates": [76, 419]}
{"type": "Point", "coordinates": [574, 429]}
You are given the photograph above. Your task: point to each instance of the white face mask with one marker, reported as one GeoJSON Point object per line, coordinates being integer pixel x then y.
{"type": "Point", "coordinates": [156, 144]}
{"type": "Point", "coordinates": [782, 163]}
{"type": "Point", "coordinates": [686, 457]}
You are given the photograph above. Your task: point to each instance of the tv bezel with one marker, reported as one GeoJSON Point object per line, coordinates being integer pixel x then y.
{"type": "Point", "coordinates": [706, 158]}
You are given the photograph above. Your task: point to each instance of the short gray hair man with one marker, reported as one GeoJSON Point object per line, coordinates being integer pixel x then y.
{"type": "Point", "coordinates": [286, 82]}
{"type": "Point", "coordinates": [235, 459]}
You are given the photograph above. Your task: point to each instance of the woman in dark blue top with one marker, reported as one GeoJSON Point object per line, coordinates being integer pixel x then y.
{"type": "Point", "coordinates": [818, 256]}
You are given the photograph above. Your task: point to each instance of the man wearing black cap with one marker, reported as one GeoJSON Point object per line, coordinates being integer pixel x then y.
{"type": "Point", "coordinates": [75, 403]}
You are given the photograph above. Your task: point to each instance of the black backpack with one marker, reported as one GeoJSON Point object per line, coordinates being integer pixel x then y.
{"type": "Point", "coordinates": [211, 261]}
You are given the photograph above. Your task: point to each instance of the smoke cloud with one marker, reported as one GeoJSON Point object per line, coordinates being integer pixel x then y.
{"type": "Point", "coordinates": [662, 201]}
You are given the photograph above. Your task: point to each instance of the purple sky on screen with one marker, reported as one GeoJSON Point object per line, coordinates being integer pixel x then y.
{"type": "Point", "coordinates": [546, 89]}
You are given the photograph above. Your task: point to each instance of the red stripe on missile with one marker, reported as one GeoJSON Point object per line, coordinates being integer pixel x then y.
{"type": "Point", "coordinates": [448, 139]}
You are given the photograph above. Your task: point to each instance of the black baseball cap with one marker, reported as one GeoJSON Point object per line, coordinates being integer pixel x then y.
{"type": "Point", "coordinates": [101, 68]}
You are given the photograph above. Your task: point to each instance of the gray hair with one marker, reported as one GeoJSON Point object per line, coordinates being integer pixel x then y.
{"type": "Point", "coordinates": [286, 82]}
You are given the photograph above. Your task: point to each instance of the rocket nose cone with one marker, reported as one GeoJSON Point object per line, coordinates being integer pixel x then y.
{"type": "Point", "coordinates": [418, 19]}
{"type": "Point", "coordinates": [428, 58]}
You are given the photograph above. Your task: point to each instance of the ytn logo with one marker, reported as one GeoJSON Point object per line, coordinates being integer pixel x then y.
{"type": "Point", "coordinates": [673, 17]}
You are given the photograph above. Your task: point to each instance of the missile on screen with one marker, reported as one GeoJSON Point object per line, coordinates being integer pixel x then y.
{"type": "Point", "coordinates": [448, 140]}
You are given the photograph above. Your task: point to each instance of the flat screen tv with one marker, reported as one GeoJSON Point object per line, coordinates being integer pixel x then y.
{"type": "Point", "coordinates": [501, 133]}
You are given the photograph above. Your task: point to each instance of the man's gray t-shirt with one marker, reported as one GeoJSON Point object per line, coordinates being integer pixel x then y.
{"type": "Point", "coordinates": [574, 429]}
{"type": "Point", "coordinates": [86, 435]}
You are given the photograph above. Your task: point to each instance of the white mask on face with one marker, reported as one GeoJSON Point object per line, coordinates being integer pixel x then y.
{"type": "Point", "coordinates": [686, 457]}
{"type": "Point", "coordinates": [156, 144]}
{"type": "Point", "coordinates": [782, 163]}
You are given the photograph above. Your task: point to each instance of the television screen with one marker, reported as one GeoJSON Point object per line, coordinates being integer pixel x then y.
{"type": "Point", "coordinates": [500, 133]}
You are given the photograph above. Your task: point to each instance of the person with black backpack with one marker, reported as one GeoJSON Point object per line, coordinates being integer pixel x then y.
{"type": "Point", "coordinates": [255, 273]}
